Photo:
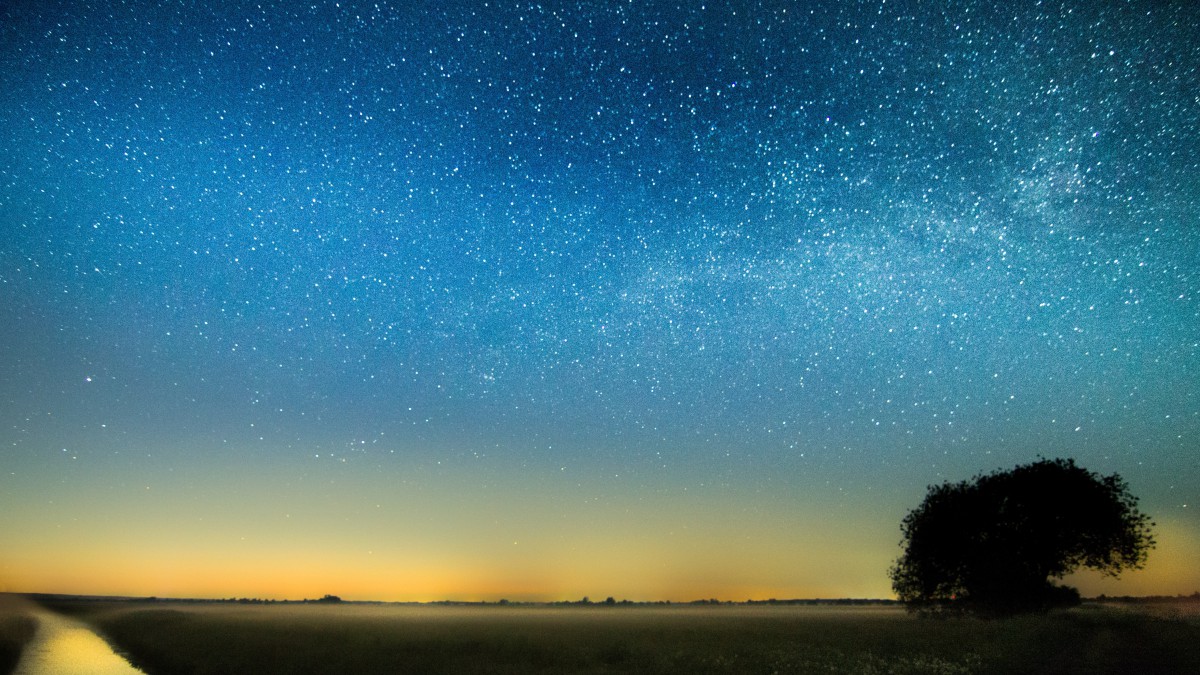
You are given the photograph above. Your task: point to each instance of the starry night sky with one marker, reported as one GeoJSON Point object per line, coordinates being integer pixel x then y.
{"type": "Point", "coordinates": [657, 300]}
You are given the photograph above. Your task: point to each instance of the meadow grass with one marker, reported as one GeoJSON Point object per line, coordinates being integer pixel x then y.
{"type": "Point", "coordinates": [175, 638]}
{"type": "Point", "coordinates": [16, 630]}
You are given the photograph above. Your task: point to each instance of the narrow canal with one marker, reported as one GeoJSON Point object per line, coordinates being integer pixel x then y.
{"type": "Point", "coordinates": [65, 646]}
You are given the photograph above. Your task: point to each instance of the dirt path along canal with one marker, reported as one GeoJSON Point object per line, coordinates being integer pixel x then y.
{"type": "Point", "coordinates": [65, 646]}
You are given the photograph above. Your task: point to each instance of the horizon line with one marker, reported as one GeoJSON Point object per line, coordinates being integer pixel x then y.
{"type": "Point", "coordinates": [585, 601]}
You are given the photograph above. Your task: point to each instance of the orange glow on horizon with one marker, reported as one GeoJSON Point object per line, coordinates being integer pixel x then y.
{"type": "Point", "coordinates": [281, 539]}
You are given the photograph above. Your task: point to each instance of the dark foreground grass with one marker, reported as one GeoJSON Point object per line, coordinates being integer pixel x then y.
{"type": "Point", "coordinates": [16, 630]}
{"type": "Point", "coordinates": [171, 639]}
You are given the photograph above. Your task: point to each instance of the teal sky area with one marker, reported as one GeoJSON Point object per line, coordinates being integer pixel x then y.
{"type": "Point", "coordinates": [418, 301]}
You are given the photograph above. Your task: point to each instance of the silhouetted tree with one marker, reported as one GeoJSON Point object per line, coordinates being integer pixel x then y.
{"type": "Point", "coordinates": [995, 543]}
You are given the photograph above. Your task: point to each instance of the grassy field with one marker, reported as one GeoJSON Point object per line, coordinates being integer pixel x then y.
{"type": "Point", "coordinates": [16, 629]}
{"type": "Point", "coordinates": [176, 638]}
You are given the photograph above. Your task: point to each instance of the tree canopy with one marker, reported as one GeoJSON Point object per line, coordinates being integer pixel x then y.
{"type": "Point", "coordinates": [994, 544]}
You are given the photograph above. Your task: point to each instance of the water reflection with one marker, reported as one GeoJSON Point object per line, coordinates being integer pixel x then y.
{"type": "Point", "coordinates": [63, 646]}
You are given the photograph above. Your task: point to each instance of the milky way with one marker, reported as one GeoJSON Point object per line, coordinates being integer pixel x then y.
{"type": "Point", "coordinates": [798, 259]}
